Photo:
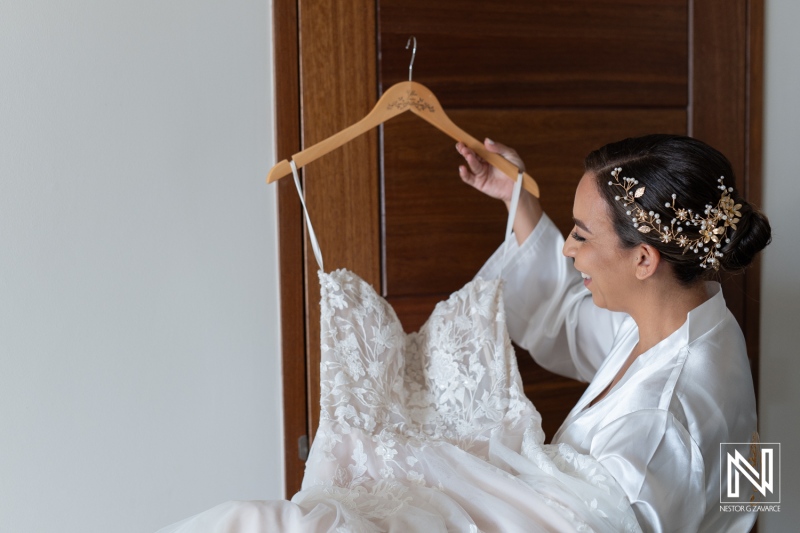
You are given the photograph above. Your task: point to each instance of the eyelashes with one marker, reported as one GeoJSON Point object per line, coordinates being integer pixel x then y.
{"type": "Point", "coordinates": [577, 237]}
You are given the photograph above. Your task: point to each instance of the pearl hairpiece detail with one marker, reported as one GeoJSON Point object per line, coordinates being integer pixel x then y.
{"type": "Point", "coordinates": [713, 223]}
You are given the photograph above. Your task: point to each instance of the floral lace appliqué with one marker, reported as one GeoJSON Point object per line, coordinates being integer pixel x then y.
{"type": "Point", "coordinates": [388, 398]}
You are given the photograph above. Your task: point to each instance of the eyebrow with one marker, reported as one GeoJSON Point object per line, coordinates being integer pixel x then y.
{"type": "Point", "coordinates": [581, 225]}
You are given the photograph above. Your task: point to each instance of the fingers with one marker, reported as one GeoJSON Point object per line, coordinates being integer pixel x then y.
{"type": "Point", "coordinates": [466, 151]}
{"type": "Point", "coordinates": [506, 151]}
{"type": "Point", "coordinates": [475, 163]}
{"type": "Point", "coordinates": [467, 175]}
{"type": "Point", "coordinates": [483, 176]}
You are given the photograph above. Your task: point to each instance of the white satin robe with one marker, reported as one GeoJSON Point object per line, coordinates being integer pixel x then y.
{"type": "Point", "coordinates": [658, 431]}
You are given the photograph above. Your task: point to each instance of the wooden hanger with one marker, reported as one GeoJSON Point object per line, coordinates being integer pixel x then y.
{"type": "Point", "coordinates": [399, 98]}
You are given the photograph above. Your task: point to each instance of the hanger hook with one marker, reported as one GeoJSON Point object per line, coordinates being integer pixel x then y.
{"type": "Point", "coordinates": [413, 55]}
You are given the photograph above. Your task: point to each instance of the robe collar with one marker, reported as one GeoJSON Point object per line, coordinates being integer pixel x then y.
{"type": "Point", "coordinates": [707, 315]}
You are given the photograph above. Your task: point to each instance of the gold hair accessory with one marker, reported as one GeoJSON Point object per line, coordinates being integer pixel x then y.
{"type": "Point", "coordinates": [713, 223]}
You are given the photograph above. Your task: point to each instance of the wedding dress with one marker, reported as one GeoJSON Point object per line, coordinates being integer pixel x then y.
{"type": "Point", "coordinates": [428, 431]}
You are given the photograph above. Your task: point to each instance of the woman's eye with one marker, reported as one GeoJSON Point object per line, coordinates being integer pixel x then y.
{"type": "Point", "coordinates": [577, 237]}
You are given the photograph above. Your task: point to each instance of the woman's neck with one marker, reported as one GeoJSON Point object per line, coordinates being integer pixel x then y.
{"type": "Point", "coordinates": [662, 308]}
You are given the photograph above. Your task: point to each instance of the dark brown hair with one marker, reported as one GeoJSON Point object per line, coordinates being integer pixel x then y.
{"type": "Point", "coordinates": [690, 169]}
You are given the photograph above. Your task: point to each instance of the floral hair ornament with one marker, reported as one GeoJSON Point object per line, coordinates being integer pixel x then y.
{"type": "Point", "coordinates": [713, 223]}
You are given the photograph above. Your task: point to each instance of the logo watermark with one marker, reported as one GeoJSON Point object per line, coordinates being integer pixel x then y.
{"type": "Point", "coordinates": [750, 476]}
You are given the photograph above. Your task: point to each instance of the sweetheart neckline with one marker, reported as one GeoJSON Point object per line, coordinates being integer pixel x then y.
{"type": "Point", "coordinates": [497, 283]}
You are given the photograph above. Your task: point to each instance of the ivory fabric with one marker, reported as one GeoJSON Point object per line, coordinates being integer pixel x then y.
{"type": "Point", "coordinates": [428, 432]}
{"type": "Point", "coordinates": [658, 431]}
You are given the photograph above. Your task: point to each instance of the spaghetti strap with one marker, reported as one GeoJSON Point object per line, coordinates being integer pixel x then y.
{"type": "Point", "coordinates": [311, 235]}
{"type": "Point", "coordinates": [512, 214]}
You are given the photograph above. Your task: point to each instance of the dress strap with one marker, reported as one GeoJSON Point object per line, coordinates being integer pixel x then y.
{"type": "Point", "coordinates": [512, 214]}
{"type": "Point", "coordinates": [311, 235]}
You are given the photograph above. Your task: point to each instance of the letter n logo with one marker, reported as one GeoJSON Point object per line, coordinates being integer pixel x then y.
{"type": "Point", "coordinates": [744, 477]}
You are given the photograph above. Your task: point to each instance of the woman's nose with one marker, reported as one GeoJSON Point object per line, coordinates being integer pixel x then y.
{"type": "Point", "coordinates": [569, 247]}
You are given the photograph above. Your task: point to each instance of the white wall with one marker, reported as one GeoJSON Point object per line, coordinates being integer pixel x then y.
{"type": "Point", "coordinates": [139, 369]}
{"type": "Point", "coordinates": [780, 282]}
{"type": "Point", "coordinates": [139, 366]}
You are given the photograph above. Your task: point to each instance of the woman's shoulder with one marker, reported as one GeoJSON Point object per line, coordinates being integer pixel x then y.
{"type": "Point", "coordinates": [713, 363]}
{"type": "Point", "coordinates": [716, 364]}
{"type": "Point", "coordinates": [714, 395]}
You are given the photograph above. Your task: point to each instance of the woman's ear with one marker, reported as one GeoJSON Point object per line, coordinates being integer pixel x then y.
{"type": "Point", "coordinates": [647, 260]}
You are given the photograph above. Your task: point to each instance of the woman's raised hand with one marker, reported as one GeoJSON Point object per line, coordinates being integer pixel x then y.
{"type": "Point", "coordinates": [494, 183]}
{"type": "Point", "coordinates": [483, 176]}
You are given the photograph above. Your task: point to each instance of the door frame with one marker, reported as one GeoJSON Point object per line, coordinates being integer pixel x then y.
{"type": "Point", "coordinates": [726, 69]}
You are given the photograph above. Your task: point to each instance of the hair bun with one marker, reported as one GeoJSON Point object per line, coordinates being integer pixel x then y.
{"type": "Point", "coordinates": [674, 185]}
{"type": "Point", "coordinates": [753, 233]}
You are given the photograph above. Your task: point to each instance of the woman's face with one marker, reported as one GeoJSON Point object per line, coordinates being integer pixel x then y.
{"type": "Point", "coordinates": [607, 268]}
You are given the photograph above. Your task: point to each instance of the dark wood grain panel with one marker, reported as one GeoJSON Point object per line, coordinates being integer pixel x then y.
{"type": "Point", "coordinates": [413, 311]}
{"type": "Point", "coordinates": [438, 231]}
{"type": "Point", "coordinates": [582, 52]}
{"type": "Point", "coordinates": [290, 242]}
{"type": "Point", "coordinates": [337, 45]}
{"type": "Point", "coordinates": [719, 100]}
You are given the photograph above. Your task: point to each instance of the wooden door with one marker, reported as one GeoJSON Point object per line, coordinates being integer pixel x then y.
{"type": "Point", "coordinates": [553, 79]}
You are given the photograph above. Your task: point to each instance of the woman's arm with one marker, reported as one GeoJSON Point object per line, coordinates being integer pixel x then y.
{"type": "Point", "coordinates": [492, 182]}
{"type": "Point", "coordinates": [548, 310]}
{"type": "Point", "coordinates": [654, 459]}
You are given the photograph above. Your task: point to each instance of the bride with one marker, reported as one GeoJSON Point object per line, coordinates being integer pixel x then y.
{"type": "Point", "coordinates": [431, 431]}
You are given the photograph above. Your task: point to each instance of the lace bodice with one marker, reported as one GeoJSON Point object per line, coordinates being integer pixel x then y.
{"type": "Point", "coordinates": [455, 380]}
{"type": "Point", "coordinates": [388, 397]}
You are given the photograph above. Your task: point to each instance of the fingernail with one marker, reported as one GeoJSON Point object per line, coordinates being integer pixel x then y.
{"type": "Point", "coordinates": [488, 140]}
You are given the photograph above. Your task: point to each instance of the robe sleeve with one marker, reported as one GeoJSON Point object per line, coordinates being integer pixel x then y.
{"type": "Point", "coordinates": [659, 466]}
{"type": "Point", "coordinates": [548, 310]}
